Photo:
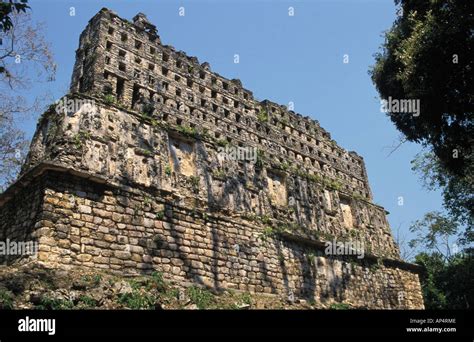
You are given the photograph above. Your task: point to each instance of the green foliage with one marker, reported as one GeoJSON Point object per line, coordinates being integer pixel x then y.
{"type": "Point", "coordinates": [148, 109]}
{"type": "Point", "coordinates": [447, 283]}
{"type": "Point", "coordinates": [188, 131]}
{"type": "Point", "coordinates": [168, 170]}
{"type": "Point", "coordinates": [246, 298]}
{"type": "Point", "coordinates": [458, 197]}
{"type": "Point", "coordinates": [433, 232]}
{"type": "Point", "coordinates": [311, 257]}
{"type": "Point", "coordinates": [156, 282]}
{"type": "Point", "coordinates": [219, 174]}
{"type": "Point", "coordinates": [109, 99]}
{"type": "Point", "coordinates": [6, 300]}
{"type": "Point", "coordinates": [262, 116]}
{"type": "Point", "coordinates": [93, 280]}
{"type": "Point", "coordinates": [339, 306]}
{"type": "Point", "coordinates": [7, 8]}
{"type": "Point", "coordinates": [266, 233]}
{"type": "Point", "coordinates": [137, 300]}
{"type": "Point", "coordinates": [80, 137]}
{"type": "Point", "coordinates": [265, 219]}
{"type": "Point", "coordinates": [425, 56]}
{"type": "Point", "coordinates": [160, 215]}
{"type": "Point", "coordinates": [260, 159]}
{"type": "Point", "coordinates": [147, 200]}
{"type": "Point", "coordinates": [194, 181]}
{"type": "Point", "coordinates": [201, 297]}
{"type": "Point", "coordinates": [223, 142]}
{"type": "Point", "coordinates": [333, 184]}
{"type": "Point", "coordinates": [358, 197]}
{"type": "Point", "coordinates": [87, 301]}
{"type": "Point", "coordinates": [48, 303]}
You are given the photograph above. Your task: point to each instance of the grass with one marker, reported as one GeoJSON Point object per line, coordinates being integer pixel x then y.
{"type": "Point", "coordinates": [145, 292]}
{"type": "Point", "coordinates": [87, 301]}
{"type": "Point", "coordinates": [136, 300]}
{"type": "Point", "coordinates": [6, 300]}
{"type": "Point", "coordinates": [246, 298]}
{"type": "Point", "coordinates": [201, 297]}
{"type": "Point", "coordinates": [339, 306]}
{"type": "Point", "coordinates": [92, 279]}
{"type": "Point", "coordinates": [48, 303]}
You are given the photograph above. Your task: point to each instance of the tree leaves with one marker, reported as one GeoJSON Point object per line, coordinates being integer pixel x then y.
{"type": "Point", "coordinates": [6, 8]}
{"type": "Point", "coordinates": [428, 55]}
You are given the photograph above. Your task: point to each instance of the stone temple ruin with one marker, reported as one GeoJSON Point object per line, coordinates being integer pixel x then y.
{"type": "Point", "coordinates": [131, 173]}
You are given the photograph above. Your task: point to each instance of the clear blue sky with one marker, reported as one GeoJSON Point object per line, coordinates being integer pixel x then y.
{"type": "Point", "coordinates": [282, 59]}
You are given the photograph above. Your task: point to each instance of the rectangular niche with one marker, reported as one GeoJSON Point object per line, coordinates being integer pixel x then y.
{"type": "Point", "coordinates": [346, 210]}
{"type": "Point", "coordinates": [277, 188]}
{"type": "Point", "coordinates": [182, 156]}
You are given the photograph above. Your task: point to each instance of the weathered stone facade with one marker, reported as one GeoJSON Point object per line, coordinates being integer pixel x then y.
{"type": "Point", "coordinates": [132, 178]}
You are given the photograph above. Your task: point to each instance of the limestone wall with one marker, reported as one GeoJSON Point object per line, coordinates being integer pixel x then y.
{"type": "Point", "coordinates": [126, 148]}
{"type": "Point", "coordinates": [134, 232]}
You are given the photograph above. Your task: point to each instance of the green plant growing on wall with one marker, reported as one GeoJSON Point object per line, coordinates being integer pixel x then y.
{"type": "Point", "coordinates": [109, 99]}
{"type": "Point", "coordinates": [194, 181]}
{"type": "Point", "coordinates": [146, 200]}
{"type": "Point", "coordinates": [154, 122]}
{"type": "Point", "coordinates": [265, 219]}
{"type": "Point", "coordinates": [80, 137]}
{"type": "Point", "coordinates": [374, 267]}
{"type": "Point", "coordinates": [262, 116]}
{"type": "Point", "coordinates": [146, 152]}
{"type": "Point", "coordinates": [334, 185]}
{"type": "Point", "coordinates": [284, 166]}
{"type": "Point", "coordinates": [188, 131]}
{"type": "Point", "coordinates": [160, 215]}
{"type": "Point", "coordinates": [222, 142]}
{"type": "Point", "coordinates": [358, 197]}
{"type": "Point", "coordinates": [148, 109]}
{"type": "Point", "coordinates": [267, 233]}
{"type": "Point", "coordinates": [219, 174]}
{"type": "Point", "coordinates": [260, 159]}
{"type": "Point", "coordinates": [311, 257]}
{"type": "Point", "coordinates": [137, 208]}
{"type": "Point", "coordinates": [168, 170]}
